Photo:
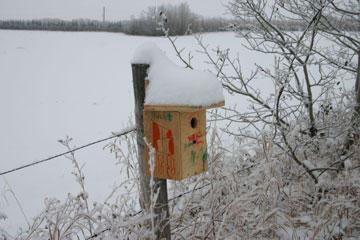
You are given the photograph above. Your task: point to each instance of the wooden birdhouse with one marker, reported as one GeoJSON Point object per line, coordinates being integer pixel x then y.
{"type": "Point", "coordinates": [174, 116]}
{"type": "Point", "coordinates": [178, 134]}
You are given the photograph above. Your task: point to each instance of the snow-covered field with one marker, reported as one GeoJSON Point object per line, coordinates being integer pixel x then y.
{"type": "Point", "coordinates": [58, 84]}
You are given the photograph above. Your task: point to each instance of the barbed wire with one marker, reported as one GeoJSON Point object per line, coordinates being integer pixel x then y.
{"type": "Point", "coordinates": [124, 132]}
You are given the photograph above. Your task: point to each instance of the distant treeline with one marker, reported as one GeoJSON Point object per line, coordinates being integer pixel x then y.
{"type": "Point", "coordinates": [135, 26]}
{"type": "Point", "coordinates": [62, 25]}
{"type": "Point", "coordinates": [179, 19]}
{"type": "Point", "coordinates": [342, 24]}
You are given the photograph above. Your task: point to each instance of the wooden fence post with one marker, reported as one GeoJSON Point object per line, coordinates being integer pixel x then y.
{"type": "Point", "coordinates": [161, 210]}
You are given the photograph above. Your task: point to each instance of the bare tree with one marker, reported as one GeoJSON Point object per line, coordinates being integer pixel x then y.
{"type": "Point", "coordinates": [309, 65]}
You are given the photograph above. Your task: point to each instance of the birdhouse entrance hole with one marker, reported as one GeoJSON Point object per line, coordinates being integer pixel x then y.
{"type": "Point", "coordinates": [193, 123]}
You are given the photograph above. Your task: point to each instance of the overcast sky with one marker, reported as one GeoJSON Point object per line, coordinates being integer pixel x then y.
{"type": "Point", "coordinates": [92, 9]}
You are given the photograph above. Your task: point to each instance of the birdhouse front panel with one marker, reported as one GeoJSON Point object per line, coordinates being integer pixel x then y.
{"type": "Point", "coordinates": [179, 139]}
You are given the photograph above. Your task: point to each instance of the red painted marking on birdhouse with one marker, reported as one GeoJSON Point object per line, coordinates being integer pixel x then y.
{"type": "Point", "coordinates": [195, 138]}
{"type": "Point", "coordinates": [171, 142]}
{"type": "Point", "coordinates": [156, 135]}
{"type": "Point", "coordinates": [160, 163]}
{"type": "Point", "coordinates": [170, 170]}
{"type": "Point", "coordinates": [163, 142]}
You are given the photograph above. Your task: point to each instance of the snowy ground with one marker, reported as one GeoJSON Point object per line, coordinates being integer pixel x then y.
{"type": "Point", "coordinates": [57, 84]}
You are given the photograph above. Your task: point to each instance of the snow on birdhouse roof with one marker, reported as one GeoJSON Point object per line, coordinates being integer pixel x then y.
{"type": "Point", "coordinates": [171, 85]}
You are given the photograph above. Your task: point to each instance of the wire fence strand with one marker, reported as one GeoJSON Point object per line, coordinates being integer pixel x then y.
{"type": "Point", "coordinates": [124, 132]}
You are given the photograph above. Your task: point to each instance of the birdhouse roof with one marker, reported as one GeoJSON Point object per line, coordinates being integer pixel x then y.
{"type": "Point", "coordinates": [175, 88]}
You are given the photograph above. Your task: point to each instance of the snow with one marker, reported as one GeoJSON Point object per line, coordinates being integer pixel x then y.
{"type": "Point", "coordinates": [348, 164]}
{"type": "Point", "coordinates": [170, 84]}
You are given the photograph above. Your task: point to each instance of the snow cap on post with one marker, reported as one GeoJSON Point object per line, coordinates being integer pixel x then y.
{"type": "Point", "coordinates": [174, 86]}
